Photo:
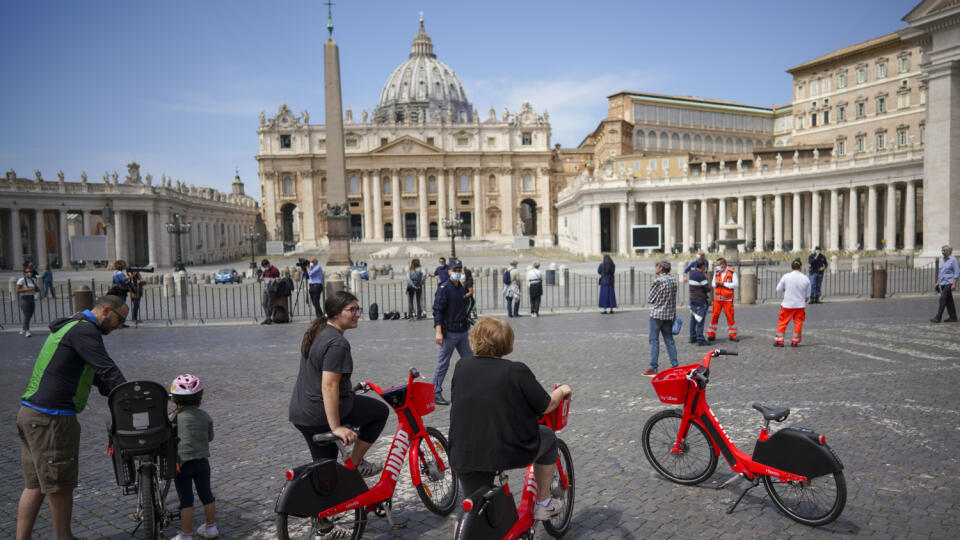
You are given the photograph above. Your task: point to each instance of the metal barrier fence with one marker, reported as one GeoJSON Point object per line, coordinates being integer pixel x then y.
{"type": "Point", "coordinates": [243, 301]}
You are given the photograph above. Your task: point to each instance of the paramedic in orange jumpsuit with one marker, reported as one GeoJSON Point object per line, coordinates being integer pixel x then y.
{"type": "Point", "coordinates": [725, 283]}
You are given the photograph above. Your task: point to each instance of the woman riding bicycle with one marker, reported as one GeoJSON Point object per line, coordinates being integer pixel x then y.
{"type": "Point", "coordinates": [494, 408]}
{"type": "Point", "coordinates": [323, 399]}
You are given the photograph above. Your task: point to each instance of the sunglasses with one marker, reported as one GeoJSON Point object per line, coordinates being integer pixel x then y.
{"type": "Point", "coordinates": [355, 309]}
{"type": "Point", "coordinates": [120, 320]}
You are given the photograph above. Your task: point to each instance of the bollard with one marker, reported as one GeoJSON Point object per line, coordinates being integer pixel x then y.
{"type": "Point", "coordinates": [748, 286]}
{"type": "Point", "coordinates": [552, 274]}
{"type": "Point", "coordinates": [879, 282]}
{"type": "Point", "coordinates": [168, 285]}
{"type": "Point", "coordinates": [372, 273]}
{"type": "Point", "coordinates": [496, 283]}
{"type": "Point", "coordinates": [562, 275]}
{"type": "Point", "coordinates": [633, 281]}
{"type": "Point", "coordinates": [82, 298]}
{"type": "Point", "coordinates": [12, 284]}
{"type": "Point", "coordinates": [833, 264]}
{"type": "Point", "coordinates": [333, 284]}
{"type": "Point", "coordinates": [354, 281]}
{"type": "Point", "coordinates": [855, 265]}
{"type": "Point", "coordinates": [565, 282]}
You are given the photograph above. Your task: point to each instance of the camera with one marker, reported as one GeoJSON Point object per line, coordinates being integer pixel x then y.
{"type": "Point", "coordinates": [141, 269]}
{"type": "Point", "coordinates": [303, 263]}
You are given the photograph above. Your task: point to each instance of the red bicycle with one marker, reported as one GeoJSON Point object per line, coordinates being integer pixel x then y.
{"type": "Point", "coordinates": [799, 470]}
{"type": "Point", "coordinates": [494, 514]}
{"type": "Point", "coordinates": [319, 496]}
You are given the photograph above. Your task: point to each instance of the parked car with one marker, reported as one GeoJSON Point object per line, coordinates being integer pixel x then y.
{"type": "Point", "coordinates": [227, 275]}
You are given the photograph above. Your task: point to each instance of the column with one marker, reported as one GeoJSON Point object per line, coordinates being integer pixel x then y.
{"type": "Point", "coordinates": [778, 222]}
{"type": "Point", "coordinates": [870, 229]}
{"type": "Point", "coordinates": [758, 221]}
{"type": "Point", "coordinates": [854, 230]}
{"type": "Point", "coordinates": [650, 213]}
{"type": "Point", "coordinates": [742, 222]}
{"type": "Point", "coordinates": [807, 239]}
{"type": "Point", "coordinates": [152, 240]}
{"type": "Point", "coordinates": [452, 192]}
{"type": "Point", "coordinates": [685, 226]}
{"type": "Point", "coordinates": [797, 231]}
{"type": "Point", "coordinates": [166, 242]}
{"type": "Point", "coordinates": [595, 241]}
{"type": "Point", "coordinates": [890, 218]}
{"type": "Point", "coordinates": [910, 218]}
{"type": "Point", "coordinates": [479, 208]}
{"type": "Point", "coordinates": [423, 224]}
{"type": "Point", "coordinates": [442, 202]}
{"type": "Point", "coordinates": [368, 225]}
{"type": "Point", "coordinates": [507, 212]}
{"type": "Point", "coordinates": [834, 220]}
{"type": "Point", "coordinates": [40, 238]}
{"type": "Point", "coordinates": [721, 217]}
{"type": "Point", "coordinates": [815, 219]}
{"type": "Point", "coordinates": [64, 237]}
{"type": "Point", "coordinates": [396, 203]}
{"type": "Point", "coordinates": [623, 239]}
{"type": "Point", "coordinates": [704, 224]}
{"type": "Point", "coordinates": [668, 236]}
{"type": "Point", "coordinates": [15, 244]}
{"type": "Point", "coordinates": [377, 207]}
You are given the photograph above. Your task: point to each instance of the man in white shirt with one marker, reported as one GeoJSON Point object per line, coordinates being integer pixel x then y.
{"type": "Point", "coordinates": [535, 286]}
{"type": "Point", "coordinates": [796, 292]}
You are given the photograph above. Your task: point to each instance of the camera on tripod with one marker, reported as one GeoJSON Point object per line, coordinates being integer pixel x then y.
{"type": "Point", "coordinates": [141, 269]}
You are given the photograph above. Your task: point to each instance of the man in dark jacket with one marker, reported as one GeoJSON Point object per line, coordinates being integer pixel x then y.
{"type": "Point", "coordinates": [451, 325]}
{"type": "Point", "coordinates": [699, 294]}
{"type": "Point", "coordinates": [72, 360]}
{"type": "Point", "coordinates": [817, 263]}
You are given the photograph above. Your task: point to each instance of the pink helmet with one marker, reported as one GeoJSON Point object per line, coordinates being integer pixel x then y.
{"type": "Point", "coordinates": [186, 385]}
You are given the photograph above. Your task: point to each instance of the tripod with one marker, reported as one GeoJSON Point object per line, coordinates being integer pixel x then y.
{"type": "Point", "coordinates": [300, 282]}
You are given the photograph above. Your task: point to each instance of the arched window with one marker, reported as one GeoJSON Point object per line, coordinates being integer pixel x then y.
{"type": "Point", "coordinates": [739, 146]}
{"type": "Point", "coordinates": [408, 185]}
{"type": "Point", "coordinates": [664, 140]}
{"type": "Point", "coordinates": [432, 184]}
{"type": "Point", "coordinates": [697, 143]}
{"type": "Point", "coordinates": [354, 184]}
{"type": "Point", "coordinates": [528, 182]}
{"type": "Point", "coordinates": [749, 146]}
{"type": "Point", "coordinates": [686, 141]}
{"type": "Point", "coordinates": [728, 144]}
{"type": "Point", "coordinates": [287, 185]}
{"type": "Point", "coordinates": [492, 183]}
{"type": "Point", "coordinates": [388, 231]}
{"type": "Point", "coordinates": [719, 144]}
{"type": "Point", "coordinates": [464, 182]}
{"type": "Point", "coordinates": [652, 139]}
{"type": "Point", "coordinates": [708, 143]}
{"type": "Point", "coordinates": [675, 141]}
{"type": "Point", "coordinates": [639, 140]}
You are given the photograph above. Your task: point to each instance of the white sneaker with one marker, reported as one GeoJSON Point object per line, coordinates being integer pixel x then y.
{"type": "Point", "coordinates": [27, 334]}
{"type": "Point", "coordinates": [207, 531]}
{"type": "Point", "coordinates": [180, 536]}
{"type": "Point", "coordinates": [335, 532]}
{"type": "Point", "coordinates": [369, 468]}
{"type": "Point", "coordinates": [21, 332]}
{"type": "Point", "coordinates": [550, 511]}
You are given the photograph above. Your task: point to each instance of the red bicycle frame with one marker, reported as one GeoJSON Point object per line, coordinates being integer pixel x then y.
{"type": "Point", "coordinates": [405, 440]}
{"type": "Point", "coordinates": [696, 410]}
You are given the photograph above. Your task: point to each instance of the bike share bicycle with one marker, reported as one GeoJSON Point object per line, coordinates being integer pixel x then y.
{"type": "Point", "coordinates": [319, 496]}
{"type": "Point", "coordinates": [143, 445]}
{"type": "Point", "coordinates": [493, 514]}
{"type": "Point", "coordinates": [799, 470]}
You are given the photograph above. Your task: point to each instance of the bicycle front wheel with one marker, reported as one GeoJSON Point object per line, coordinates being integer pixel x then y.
{"type": "Point", "coordinates": [438, 489]}
{"type": "Point", "coordinates": [291, 527]}
{"type": "Point", "coordinates": [557, 526]}
{"type": "Point", "coordinates": [816, 502]}
{"type": "Point", "coordinates": [695, 461]}
{"type": "Point", "coordinates": [147, 499]}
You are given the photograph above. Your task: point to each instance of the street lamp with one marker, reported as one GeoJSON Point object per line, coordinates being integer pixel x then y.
{"type": "Point", "coordinates": [452, 224]}
{"type": "Point", "coordinates": [252, 237]}
{"type": "Point", "coordinates": [178, 228]}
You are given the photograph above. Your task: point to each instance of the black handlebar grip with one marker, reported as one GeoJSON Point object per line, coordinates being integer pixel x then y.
{"type": "Point", "coordinates": [358, 387]}
{"type": "Point", "coordinates": [727, 353]}
{"type": "Point", "coordinates": [414, 372]}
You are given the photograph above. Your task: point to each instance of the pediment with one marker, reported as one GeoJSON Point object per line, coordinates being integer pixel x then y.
{"type": "Point", "coordinates": [929, 7]}
{"type": "Point", "coordinates": [407, 145]}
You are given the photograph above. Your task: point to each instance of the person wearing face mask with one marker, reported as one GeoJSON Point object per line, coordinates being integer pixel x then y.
{"type": "Point", "coordinates": [442, 272]}
{"type": "Point", "coordinates": [817, 263]}
{"type": "Point", "coordinates": [450, 320]}
{"type": "Point", "coordinates": [946, 284]}
{"type": "Point", "coordinates": [725, 283]}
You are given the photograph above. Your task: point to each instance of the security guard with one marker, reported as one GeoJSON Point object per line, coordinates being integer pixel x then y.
{"type": "Point", "coordinates": [450, 322]}
{"type": "Point", "coordinates": [725, 282]}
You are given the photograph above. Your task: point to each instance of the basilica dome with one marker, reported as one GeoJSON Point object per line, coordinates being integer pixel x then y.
{"type": "Point", "coordinates": [423, 89]}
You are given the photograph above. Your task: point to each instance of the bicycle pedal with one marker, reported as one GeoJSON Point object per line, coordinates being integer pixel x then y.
{"type": "Point", "coordinates": [728, 481]}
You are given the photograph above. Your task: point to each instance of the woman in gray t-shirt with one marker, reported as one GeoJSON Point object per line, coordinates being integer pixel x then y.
{"type": "Point", "coordinates": [323, 400]}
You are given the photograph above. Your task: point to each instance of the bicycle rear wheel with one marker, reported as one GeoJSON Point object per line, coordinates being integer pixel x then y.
{"type": "Point", "coordinates": [557, 526]}
{"type": "Point", "coordinates": [696, 460]}
{"type": "Point", "coordinates": [147, 500]}
{"type": "Point", "coordinates": [439, 490]}
{"type": "Point", "coordinates": [816, 502]}
{"type": "Point", "coordinates": [291, 527]}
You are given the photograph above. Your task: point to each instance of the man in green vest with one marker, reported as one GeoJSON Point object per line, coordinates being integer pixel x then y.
{"type": "Point", "coordinates": [72, 359]}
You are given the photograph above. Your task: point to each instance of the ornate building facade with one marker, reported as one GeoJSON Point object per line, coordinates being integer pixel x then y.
{"type": "Point", "coordinates": [422, 155]}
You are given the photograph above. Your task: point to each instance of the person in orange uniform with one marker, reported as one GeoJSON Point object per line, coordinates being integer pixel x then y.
{"type": "Point", "coordinates": [796, 292]}
{"type": "Point", "coordinates": [725, 282]}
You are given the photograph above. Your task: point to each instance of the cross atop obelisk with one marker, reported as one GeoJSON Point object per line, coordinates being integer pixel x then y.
{"type": "Point", "coordinates": [337, 211]}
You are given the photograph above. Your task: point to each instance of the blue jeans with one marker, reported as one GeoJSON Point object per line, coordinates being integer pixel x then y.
{"type": "Point", "coordinates": [513, 307]}
{"type": "Point", "coordinates": [451, 340]}
{"type": "Point", "coordinates": [658, 327]}
{"type": "Point", "coordinates": [696, 328]}
{"type": "Point", "coordinates": [816, 278]}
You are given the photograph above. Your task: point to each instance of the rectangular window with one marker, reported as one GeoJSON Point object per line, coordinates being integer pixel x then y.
{"type": "Point", "coordinates": [408, 184]}
{"type": "Point", "coordinates": [861, 75]}
{"type": "Point", "coordinates": [800, 93]}
{"type": "Point", "coordinates": [285, 141]}
{"type": "Point", "coordinates": [881, 70]}
{"type": "Point", "coordinates": [841, 80]}
{"type": "Point", "coordinates": [637, 113]}
{"type": "Point", "coordinates": [463, 141]}
{"type": "Point", "coordinates": [879, 141]}
{"type": "Point", "coordinates": [861, 109]}
{"type": "Point", "coordinates": [902, 137]}
{"type": "Point", "coordinates": [526, 138]}
{"type": "Point", "coordinates": [903, 64]}
{"type": "Point", "coordinates": [491, 141]}
{"type": "Point", "coordinates": [881, 105]}
{"type": "Point", "coordinates": [686, 117]}
{"type": "Point", "coordinates": [728, 121]}
{"type": "Point", "coordinates": [430, 140]}
{"type": "Point", "coordinates": [799, 122]}
{"type": "Point", "coordinates": [858, 143]}
{"type": "Point", "coordinates": [923, 96]}
{"type": "Point", "coordinates": [813, 120]}
{"type": "Point", "coordinates": [841, 147]}
{"type": "Point", "coordinates": [903, 100]}
{"type": "Point", "coordinates": [826, 85]}
{"type": "Point", "coordinates": [651, 115]}
{"type": "Point", "coordinates": [696, 118]}
{"type": "Point", "coordinates": [814, 88]}
{"type": "Point", "coordinates": [826, 117]}
{"type": "Point", "coordinates": [384, 140]}
{"type": "Point", "coordinates": [350, 143]}
{"type": "Point", "coordinates": [674, 116]}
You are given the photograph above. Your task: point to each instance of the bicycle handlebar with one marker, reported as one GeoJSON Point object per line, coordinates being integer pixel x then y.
{"type": "Point", "coordinates": [716, 352]}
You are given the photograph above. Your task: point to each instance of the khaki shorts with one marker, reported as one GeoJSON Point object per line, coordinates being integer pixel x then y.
{"type": "Point", "coordinates": [49, 450]}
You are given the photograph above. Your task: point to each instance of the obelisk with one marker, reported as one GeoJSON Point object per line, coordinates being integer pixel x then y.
{"type": "Point", "coordinates": [337, 211]}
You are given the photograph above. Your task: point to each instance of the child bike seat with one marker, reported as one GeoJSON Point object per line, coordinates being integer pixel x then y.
{"type": "Point", "coordinates": [778, 414]}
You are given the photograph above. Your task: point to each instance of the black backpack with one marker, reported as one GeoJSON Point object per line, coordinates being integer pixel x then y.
{"type": "Point", "coordinates": [280, 315]}
{"type": "Point", "coordinates": [374, 311]}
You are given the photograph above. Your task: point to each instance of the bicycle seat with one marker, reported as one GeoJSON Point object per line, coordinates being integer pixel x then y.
{"type": "Point", "coordinates": [778, 414]}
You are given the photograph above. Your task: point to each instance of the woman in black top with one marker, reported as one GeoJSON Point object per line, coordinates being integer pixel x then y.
{"type": "Point", "coordinates": [608, 298]}
{"type": "Point", "coordinates": [323, 399]}
{"type": "Point", "coordinates": [493, 416]}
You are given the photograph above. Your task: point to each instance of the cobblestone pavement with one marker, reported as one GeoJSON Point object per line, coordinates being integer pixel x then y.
{"type": "Point", "coordinates": [874, 376]}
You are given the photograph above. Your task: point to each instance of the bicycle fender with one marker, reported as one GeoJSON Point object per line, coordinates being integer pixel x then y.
{"type": "Point", "coordinates": [799, 451]}
{"type": "Point", "coordinates": [318, 486]}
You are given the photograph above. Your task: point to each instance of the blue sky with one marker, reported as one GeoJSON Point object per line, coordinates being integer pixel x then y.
{"type": "Point", "coordinates": [177, 85]}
